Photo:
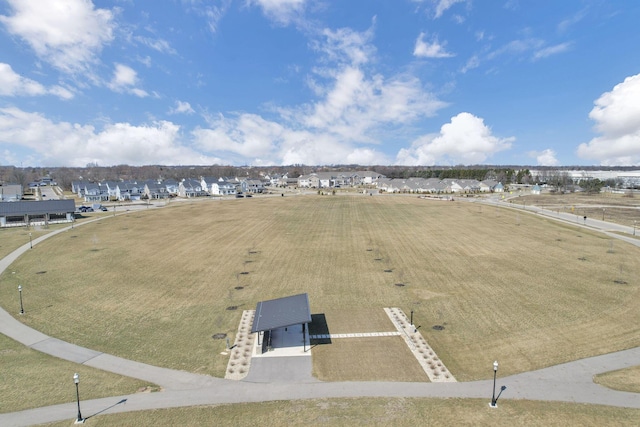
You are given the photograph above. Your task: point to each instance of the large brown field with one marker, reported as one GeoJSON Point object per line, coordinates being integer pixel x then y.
{"type": "Point", "coordinates": [505, 285]}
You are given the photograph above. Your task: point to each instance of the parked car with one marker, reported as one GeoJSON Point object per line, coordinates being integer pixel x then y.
{"type": "Point", "coordinates": [238, 196]}
{"type": "Point", "coordinates": [103, 208]}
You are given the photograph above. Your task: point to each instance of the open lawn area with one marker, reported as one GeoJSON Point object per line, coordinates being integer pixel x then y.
{"type": "Point", "coordinates": [29, 379]}
{"type": "Point", "coordinates": [378, 412]}
{"type": "Point", "coordinates": [155, 285]}
{"type": "Point", "coordinates": [618, 208]}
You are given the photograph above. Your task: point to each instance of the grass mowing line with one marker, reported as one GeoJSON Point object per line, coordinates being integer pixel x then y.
{"type": "Point", "coordinates": [148, 285]}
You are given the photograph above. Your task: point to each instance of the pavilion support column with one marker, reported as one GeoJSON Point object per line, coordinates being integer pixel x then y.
{"type": "Point", "coordinates": [304, 338]}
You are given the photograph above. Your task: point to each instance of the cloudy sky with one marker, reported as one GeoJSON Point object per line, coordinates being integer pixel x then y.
{"type": "Point", "coordinates": [319, 82]}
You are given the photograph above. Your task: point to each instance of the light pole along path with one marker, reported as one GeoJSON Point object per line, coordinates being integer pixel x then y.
{"type": "Point", "coordinates": [568, 382]}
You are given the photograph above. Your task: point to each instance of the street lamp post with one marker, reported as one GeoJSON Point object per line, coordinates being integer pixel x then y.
{"type": "Point", "coordinates": [493, 397]}
{"type": "Point", "coordinates": [634, 227]}
{"type": "Point", "coordinates": [76, 379]}
{"type": "Point", "coordinates": [603, 214]}
{"type": "Point", "coordinates": [30, 242]}
{"type": "Point", "coordinates": [20, 292]}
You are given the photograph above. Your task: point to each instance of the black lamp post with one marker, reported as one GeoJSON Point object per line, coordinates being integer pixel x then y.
{"type": "Point", "coordinates": [30, 242]}
{"type": "Point", "coordinates": [76, 379]}
{"type": "Point", "coordinates": [493, 397]}
{"type": "Point", "coordinates": [634, 227]}
{"type": "Point", "coordinates": [20, 292]}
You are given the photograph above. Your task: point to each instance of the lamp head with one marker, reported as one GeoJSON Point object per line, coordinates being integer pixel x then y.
{"type": "Point", "coordinates": [19, 288]}
{"type": "Point", "coordinates": [495, 365]}
{"type": "Point", "coordinates": [76, 378]}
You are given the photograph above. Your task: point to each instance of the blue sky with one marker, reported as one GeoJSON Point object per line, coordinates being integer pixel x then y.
{"type": "Point", "coordinates": [319, 82]}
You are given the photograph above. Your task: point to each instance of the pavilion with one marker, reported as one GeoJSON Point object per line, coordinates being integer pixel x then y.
{"type": "Point", "coordinates": [282, 322]}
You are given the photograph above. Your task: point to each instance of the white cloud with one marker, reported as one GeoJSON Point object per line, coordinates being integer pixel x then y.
{"type": "Point", "coordinates": [566, 24]}
{"type": "Point", "coordinates": [13, 84]}
{"type": "Point", "coordinates": [159, 45]}
{"type": "Point", "coordinates": [430, 50]}
{"type": "Point", "coordinates": [214, 14]}
{"type": "Point", "coordinates": [68, 34]}
{"type": "Point", "coordinates": [68, 144]}
{"type": "Point", "coordinates": [280, 11]}
{"type": "Point", "coordinates": [473, 62]}
{"type": "Point", "coordinates": [551, 50]}
{"type": "Point", "coordinates": [265, 142]}
{"type": "Point", "coordinates": [443, 5]}
{"type": "Point", "coordinates": [617, 117]}
{"type": "Point", "coordinates": [345, 45]}
{"type": "Point", "coordinates": [125, 79]}
{"type": "Point", "coordinates": [182, 108]}
{"type": "Point", "coordinates": [545, 157]}
{"type": "Point", "coordinates": [355, 101]}
{"type": "Point", "coordinates": [354, 107]}
{"type": "Point", "coordinates": [517, 47]}
{"type": "Point", "coordinates": [466, 139]}
{"type": "Point", "coordinates": [61, 92]}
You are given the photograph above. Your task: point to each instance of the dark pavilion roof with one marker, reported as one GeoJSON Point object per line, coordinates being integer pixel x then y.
{"type": "Point", "coordinates": [281, 312]}
{"type": "Point", "coordinates": [37, 207]}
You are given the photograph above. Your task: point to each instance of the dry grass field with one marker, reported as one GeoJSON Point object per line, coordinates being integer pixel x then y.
{"type": "Point", "coordinates": [29, 379]}
{"type": "Point", "coordinates": [505, 285]}
{"type": "Point", "coordinates": [378, 412]}
{"type": "Point", "coordinates": [623, 379]}
{"type": "Point", "coordinates": [617, 208]}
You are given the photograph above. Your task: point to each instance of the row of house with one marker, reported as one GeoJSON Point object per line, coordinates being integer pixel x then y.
{"type": "Point", "coordinates": [338, 179]}
{"type": "Point", "coordinates": [211, 186]}
{"type": "Point", "coordinates": [131, 190]}
{"type": "Point", "coordinates": [438, 186]}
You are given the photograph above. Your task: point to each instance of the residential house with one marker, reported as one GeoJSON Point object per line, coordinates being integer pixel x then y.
{"type": "Point", "coordinates": [94, 192]}
{"type": "Point", "coordinates": [304, 181]}
{"type": "Point", "coordinates": [206, 182]}
{"type": "Point", "coordinates": [171, 187]}
{"type": "Point", "coordinates": [191, 188]}
{"type": "Point", "coordinates": [253, 186]}
{"type": "Point", "coordinates": [223, 188]}
{"type": "Point", "coordinates": [154, 190]}
{"type": "Point", "coordinates": [370, 177]}
{"type": "Point", "coordinates": [130, 190]}
{"type": "Point", "coordinates": [452, 186]}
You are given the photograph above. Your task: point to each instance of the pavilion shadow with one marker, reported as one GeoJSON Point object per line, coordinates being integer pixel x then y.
{"type": "Point", "coordinates": [318, 326]}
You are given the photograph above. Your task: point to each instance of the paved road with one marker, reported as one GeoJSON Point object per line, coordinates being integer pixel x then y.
{"type": "Point", "coordinates": [569, 382]}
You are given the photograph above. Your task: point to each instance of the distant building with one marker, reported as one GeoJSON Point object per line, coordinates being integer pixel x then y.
{"type": "Point", "coordinates": [24, 213]}
{"type": "Point", "coordinates": [11, 192]}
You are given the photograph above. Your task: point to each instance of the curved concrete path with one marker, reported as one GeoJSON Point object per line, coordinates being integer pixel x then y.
{"type": "Point", "coordinates": [568, 382]}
